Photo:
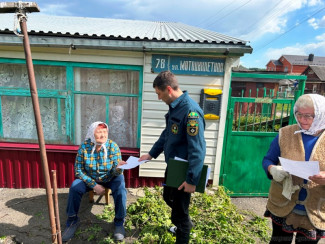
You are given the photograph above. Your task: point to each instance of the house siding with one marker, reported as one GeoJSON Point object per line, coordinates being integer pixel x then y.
{"type": "Point", "coordinates": [153, 121]}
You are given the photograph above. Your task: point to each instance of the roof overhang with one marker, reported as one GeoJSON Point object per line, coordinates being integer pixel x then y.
{"type": "Point", "coordinates": [128, 45]}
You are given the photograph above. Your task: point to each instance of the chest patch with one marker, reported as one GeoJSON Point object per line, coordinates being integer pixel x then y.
{"type": "Point", "coordinates": [174, 129]}
{"type": "Point", "coordinates": [192, 127]}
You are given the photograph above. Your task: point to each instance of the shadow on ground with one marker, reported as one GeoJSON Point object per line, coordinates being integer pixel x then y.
{"type": "Point", "coordinates": [24, 217]}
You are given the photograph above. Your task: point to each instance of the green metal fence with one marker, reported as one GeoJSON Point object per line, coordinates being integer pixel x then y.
{"type": "Point", "coordinates": [252, 123]}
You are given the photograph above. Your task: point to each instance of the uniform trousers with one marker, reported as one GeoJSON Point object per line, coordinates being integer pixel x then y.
{"type": "Point", "coordinates": [179, 202]}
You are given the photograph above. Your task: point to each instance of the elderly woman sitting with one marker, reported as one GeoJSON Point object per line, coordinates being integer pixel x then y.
{"type": "Point", "coordinates": [295, 204]}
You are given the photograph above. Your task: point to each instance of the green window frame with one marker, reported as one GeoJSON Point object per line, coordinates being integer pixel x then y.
{"type": "Point", "coordinates": [68, 95]}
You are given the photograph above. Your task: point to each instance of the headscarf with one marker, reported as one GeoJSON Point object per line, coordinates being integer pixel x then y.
{"type": "Point", "coordinates": [91, 135]}
{"type": "Point", "coordinates": [319, 120]}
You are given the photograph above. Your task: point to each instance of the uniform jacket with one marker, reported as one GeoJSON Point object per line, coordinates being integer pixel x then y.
{"type": "Point", "coordinates": [183, 136]}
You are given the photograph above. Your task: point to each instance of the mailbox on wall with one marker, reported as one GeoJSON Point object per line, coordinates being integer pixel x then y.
{"type": "Point", "coordinates": [210, 102]}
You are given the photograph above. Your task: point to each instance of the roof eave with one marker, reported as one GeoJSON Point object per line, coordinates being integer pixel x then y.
{"type": "Point", "coordinates": [129, 45]}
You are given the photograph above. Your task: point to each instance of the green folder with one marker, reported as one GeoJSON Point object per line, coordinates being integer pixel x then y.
{"type": "Point", "coordinates": [176, 174]}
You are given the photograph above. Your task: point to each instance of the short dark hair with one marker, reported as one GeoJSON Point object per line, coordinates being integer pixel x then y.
{"type": "Point", "coordinates": [164, 79]}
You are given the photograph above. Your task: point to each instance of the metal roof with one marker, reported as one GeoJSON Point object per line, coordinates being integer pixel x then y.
{"type": "Point", "coordinates": [319, 71]}
{"type": "Point", "coordinates": [303, 60]}
{"type": "Point", "coordinates": [121, 29]}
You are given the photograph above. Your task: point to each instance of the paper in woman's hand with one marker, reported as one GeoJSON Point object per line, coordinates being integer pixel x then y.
{"type": "Point", "coordinates": [302, 169]}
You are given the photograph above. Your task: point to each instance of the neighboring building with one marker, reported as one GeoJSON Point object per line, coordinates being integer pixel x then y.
{"type": "Point", "coordinates": [90, 69]}
{"type": "Point", "coordinates": [258, 87]}
{"type": "Point", "coordinates": [315, 79]}
{"type": "Point", "coordinates": [294, 64]}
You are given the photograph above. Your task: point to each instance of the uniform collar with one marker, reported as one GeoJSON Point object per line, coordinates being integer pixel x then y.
{"type": "Point", "coordinates": [178, 100]}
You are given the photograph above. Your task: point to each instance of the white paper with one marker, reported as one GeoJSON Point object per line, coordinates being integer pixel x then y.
{"type": "Point", "coordinates": [132, 162]}
{"type": "Point", "coordinates": [180, 159]}
{"type": "Point", "coordinates": [302, 169]}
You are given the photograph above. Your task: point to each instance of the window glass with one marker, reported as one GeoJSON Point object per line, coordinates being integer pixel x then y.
{"type": "Point", "coordinates": [88, 109]}
{"type": "Point", "coordinates": [47, 77]}
{"type": "Point", "coordinates": [103, 80]}
{"type": "Point", "coordinates": [19, 122]}
{"type": "Point", "coordinates": [69, 103]}
{"type": "Point", "coordinates": [123, 120]}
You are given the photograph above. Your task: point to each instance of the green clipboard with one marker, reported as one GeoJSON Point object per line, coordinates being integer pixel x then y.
{"type": "Point", "coordinates": [176, 174]}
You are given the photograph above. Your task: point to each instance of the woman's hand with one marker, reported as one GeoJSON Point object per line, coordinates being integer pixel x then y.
{"type": "Point", "coordinates": [99, 189]}
{"type": "Point", "coordinates": [121, 163]}
{"type": "Point", "coordinates": [319, 179]}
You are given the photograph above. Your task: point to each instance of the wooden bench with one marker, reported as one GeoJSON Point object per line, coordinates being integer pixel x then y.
{"type": "Point", "coordinates": [107, 193]}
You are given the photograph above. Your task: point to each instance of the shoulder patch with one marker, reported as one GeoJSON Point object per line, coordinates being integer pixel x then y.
{"type": "Point", "coordinates": [193, 115]}
{"type": "Point", "coordinates": [192, 127]}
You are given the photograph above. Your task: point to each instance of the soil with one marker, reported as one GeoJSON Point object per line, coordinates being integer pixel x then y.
{"type": "Point", "coordinates": [24, 216]}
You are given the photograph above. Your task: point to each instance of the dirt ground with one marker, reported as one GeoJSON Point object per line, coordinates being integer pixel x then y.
{"type": "Point", "coordinates": [24, 215]}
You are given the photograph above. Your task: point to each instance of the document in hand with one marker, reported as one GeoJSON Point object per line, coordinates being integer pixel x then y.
{"type": "Point", "coordinates": [176, 174]}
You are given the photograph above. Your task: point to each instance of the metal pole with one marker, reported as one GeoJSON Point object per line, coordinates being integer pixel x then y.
{"type": "Point", "coordinates": [33, 91]}
{"type": "Point", "coordinates": [56, 207]}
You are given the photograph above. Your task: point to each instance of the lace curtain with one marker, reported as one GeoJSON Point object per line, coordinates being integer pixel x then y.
{"type": "Point", "coordinates": [99, 94]}
{"type": "Point", "coordinates": [47, 77]}
{"type": "Point", "coordinates": [19, 122]}
{"type": "Point", "coordinates": [121, 112]}
{"type": "Point", "coordinates": [18, 118]}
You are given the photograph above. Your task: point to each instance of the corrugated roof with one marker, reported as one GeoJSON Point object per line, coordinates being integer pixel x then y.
{"type": "Point", "coordinates": [117, 29]}
{"type": "Point", "coordinates": [303, 60]}
{"type": "Point", "coordinates": [319, 71]}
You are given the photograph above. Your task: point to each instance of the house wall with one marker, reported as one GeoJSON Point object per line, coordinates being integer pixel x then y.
{"type": "Point", "coordinates": [153, 110]}
{"type": "Point", "coordinates": [271, 67]}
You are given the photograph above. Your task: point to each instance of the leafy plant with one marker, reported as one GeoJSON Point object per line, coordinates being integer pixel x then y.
{"type": "Point", "coordinates": [216, 220]}
{"type": "Point", "coordinates": [93, 232]}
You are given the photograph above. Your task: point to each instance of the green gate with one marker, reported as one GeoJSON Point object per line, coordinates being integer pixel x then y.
{"type": "Point", "coordinates": [251, 125]}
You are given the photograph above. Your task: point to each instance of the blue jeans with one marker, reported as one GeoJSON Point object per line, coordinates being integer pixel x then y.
{"type": "Point", "coordinates": [116, 184]}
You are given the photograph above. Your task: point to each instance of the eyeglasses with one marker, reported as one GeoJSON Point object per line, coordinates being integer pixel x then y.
{"type": "Point", "coordinates": [305, 116]}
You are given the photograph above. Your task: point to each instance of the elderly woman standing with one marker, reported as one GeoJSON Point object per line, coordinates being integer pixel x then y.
{"type": "Point", "coordinates": [295, 204]}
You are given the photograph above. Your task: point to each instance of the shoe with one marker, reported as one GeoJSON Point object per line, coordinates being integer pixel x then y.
{"type": "Point", "coordinates": [69, 231]}
{"type": "Point", "coordinates": [173, 229]}
{"type": "Point", "coordinates": [119, 233]}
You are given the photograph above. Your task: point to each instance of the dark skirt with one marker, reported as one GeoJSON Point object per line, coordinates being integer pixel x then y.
{"type": "Point", "coordinates": [312, 234]}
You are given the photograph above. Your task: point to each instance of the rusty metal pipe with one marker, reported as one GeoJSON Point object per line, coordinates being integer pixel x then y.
{"type": "Point", "coordinates": [37, 114]}
{"type": "Point", "coordinates": [56, 207]}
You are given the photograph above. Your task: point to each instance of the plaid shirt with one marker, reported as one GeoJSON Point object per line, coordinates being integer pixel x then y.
{"type": "Point", "coordinates": [93, 168]}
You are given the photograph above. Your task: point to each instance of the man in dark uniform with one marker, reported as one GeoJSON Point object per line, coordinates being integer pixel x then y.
{"type": "Point", "coordinates": [183, 137]}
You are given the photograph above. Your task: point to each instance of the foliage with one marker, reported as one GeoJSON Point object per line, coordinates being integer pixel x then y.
{"type": "Point", "coordinates": [93, 232]}
{"type": "Point", "coordinates": [214, 217]}
{"type": "Point", "coordinates": [3, 237]}
{"type": "Point", "coordinates": [255, 123]}
{"type": "Point", "coordinates": [108, 213]}
{"type": "Point", "coordinates": [151, 215]}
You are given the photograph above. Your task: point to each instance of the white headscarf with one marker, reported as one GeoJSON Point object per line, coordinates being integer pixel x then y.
{"type": "Point", "coordinates": [319, 120]}
{"type": "Point", "coordinates": [91, 135]}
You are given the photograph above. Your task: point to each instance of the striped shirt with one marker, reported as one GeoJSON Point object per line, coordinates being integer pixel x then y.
{"type": "Point", "coordinates": [94, 168]}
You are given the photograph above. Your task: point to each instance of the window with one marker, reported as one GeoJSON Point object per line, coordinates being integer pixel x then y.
{"type": "Point", "coordinates": [314, 88]}
{"type": "Point", "coordinates": [71, 97]}
{"type": "Point", "coordinates": [286, 69]}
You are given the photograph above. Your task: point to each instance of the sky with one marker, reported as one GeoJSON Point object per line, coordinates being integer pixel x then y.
{"type": "Point", "coordinates": [272, 27]}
